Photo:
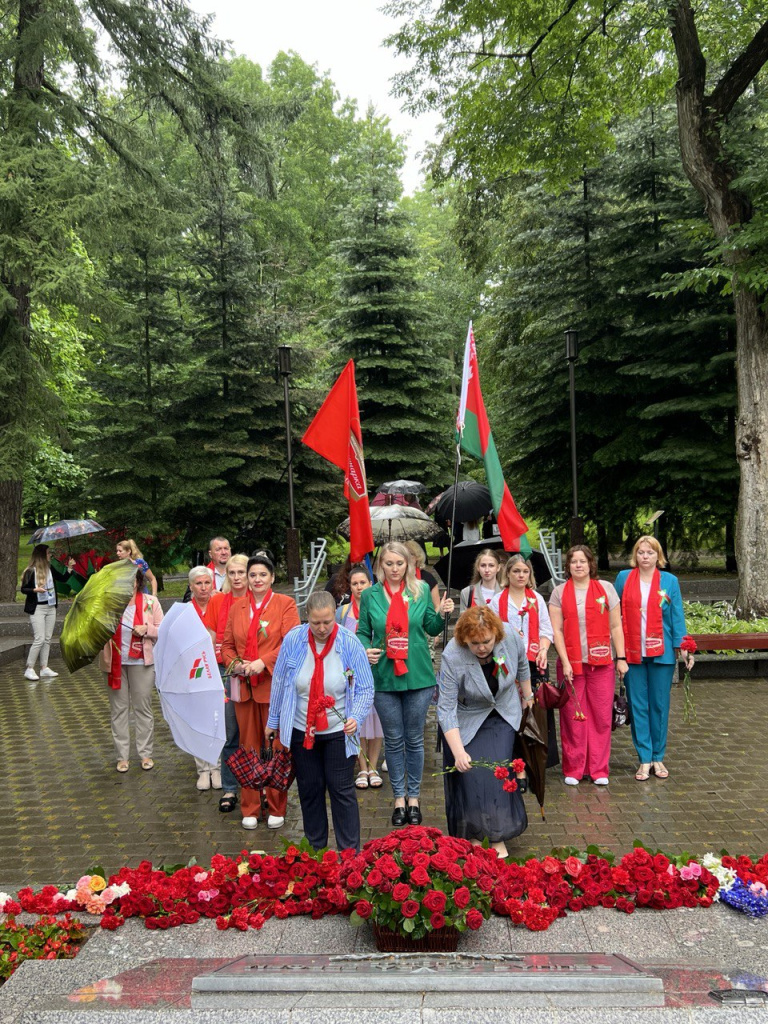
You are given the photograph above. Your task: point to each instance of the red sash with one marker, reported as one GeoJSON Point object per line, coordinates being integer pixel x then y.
{"type": "Point", "coordinates": [252, 640]}
{"type": "Point", "coordinates": [225, 606]}
{"type": "Point", "coordinates": [597, 620]}
{"type": "Point", "coordinates": [396, 629]}
{"type": "Point", "coordinates": [631, 614]}
{"type": "Point", "coordinates": [531, 609]}
{"type": "Point", "coordinates": [136, 649]}
{"type": "Point", "coordinates": [317, 714]}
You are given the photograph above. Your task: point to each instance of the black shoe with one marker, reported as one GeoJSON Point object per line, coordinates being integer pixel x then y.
{"type": "Point", "coordinates": [399, 817]}
{"type": "Point", "coordinates": [414, 814]}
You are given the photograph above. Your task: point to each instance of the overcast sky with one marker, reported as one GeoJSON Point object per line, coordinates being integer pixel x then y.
{"type": "Point", "coordinates": [342, 37]}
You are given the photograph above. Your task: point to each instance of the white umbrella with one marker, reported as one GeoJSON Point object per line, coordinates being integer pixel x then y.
{"type": "Point", "coordinates": [189, 683]}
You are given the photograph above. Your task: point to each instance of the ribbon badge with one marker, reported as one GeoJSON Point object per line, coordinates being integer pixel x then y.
{"type": "Point", "coordinates": [663, 598]}
{"type": "Point", "coordinates": [601, 603]}
{"type": "Point", "coordinates": [263, 623]}
{"type": "Point", "coordinates": [499, 664]}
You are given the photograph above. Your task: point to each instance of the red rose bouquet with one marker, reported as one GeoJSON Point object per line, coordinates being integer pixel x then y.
{"type": "Point", "coordinates": [688, 647]}
{"type": "Point", "coordinates": [417, 880]}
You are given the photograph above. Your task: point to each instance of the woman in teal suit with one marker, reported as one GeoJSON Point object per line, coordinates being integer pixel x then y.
{"type": "Point", "coordinates": [395, 617]}
{"type": "Point", "coordinates": [654, 626]}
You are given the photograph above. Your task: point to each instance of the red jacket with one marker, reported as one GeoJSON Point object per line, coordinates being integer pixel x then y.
{"type": "Point", "coordinates": [281, 616]}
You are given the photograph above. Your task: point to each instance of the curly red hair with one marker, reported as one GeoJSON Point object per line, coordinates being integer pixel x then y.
{"type": "Point", "coordinates": [475, 622]}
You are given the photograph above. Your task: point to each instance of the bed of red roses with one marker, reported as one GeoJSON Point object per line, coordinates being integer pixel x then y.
{"type": "Point", "coordinates": [413, 880]}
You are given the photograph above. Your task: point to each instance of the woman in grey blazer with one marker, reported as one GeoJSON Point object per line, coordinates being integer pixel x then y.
{"type": "Point", "coordinates": [479, 711]}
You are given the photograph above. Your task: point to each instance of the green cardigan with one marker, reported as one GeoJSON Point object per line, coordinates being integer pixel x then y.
{"type": "Point", "coordinates": [422, 619]}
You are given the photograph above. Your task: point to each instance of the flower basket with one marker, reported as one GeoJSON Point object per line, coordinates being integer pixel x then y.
{"type": "Point", "coordinates": [442, 940]}
{"type": "Point", "coordinates": [419, 888]}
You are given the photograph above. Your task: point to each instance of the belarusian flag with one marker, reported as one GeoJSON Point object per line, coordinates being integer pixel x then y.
{"type": "Point", "coordinates": [475, 437]}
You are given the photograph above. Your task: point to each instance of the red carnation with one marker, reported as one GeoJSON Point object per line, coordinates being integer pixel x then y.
{"type": "Point", "coordinates": [363, 909]}
{"type": "Point", "coordinates": [410, 908]}
{"type": "Point", "coordinates": [461, 897]}
{"type": "Point", "coordinates": [501, 772]}
{"type": "Point", "coordinates": [474, 919]}
{"type": "Point", "coordinates": [437, 921]}
{"type": "Point", "coordinates": [518, 764]}
{"type": "Point", "coordinates": [510, 786]}
{"type": "Point", "coordinates": [326, 701]}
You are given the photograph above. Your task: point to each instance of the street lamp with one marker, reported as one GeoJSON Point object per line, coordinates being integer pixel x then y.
{"type": "Point", "coordinates": [572, 354]}
{"type": "Point", "coordinates": [292, 534]}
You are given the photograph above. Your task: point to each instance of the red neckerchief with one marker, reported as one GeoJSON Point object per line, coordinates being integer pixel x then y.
{"type": "Point", "coordinates": [199, 610]}
{"type": "Point", "coordinates": [317, 714]}
{"type": "Point", "coordinates": [252, 640]}
{"type": "Point", "coordinates": [396, 629]}
{"type": "Point", "coordinates": [417, 572]}
{"type": "Point", "coordinates": [531, 609]}
{"type": "Point", "coordinates": [631, 603]}
{"type": "Point", "coordinates": [115, 678]}
{"type": "Point", "coordinates": [597, 618]}
{"type": "Point", "coordinates": [224, 609]}
{"type": "Point", "coordinates": [354, 607]}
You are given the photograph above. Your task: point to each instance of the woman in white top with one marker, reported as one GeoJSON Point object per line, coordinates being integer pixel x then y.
{"type": "Point", "coordinates": [485, 581]}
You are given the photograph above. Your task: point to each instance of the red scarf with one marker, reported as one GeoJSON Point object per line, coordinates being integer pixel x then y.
{"type": "Point", "coordinates": [396, 629]}
{"type": "Point", "coordinates": [531, 609]}
{"type": "Point", "coordinates": [136, 649]}
{"type": "Point", "coordinates": [597, 616]}
{"type": "Point", "coordinates": [631, 603]}
{"type": "Point", "coordinates": [252, 640]}
{"type": "Point", "coordinates": [417, 572]}
{"type": "Point", "coordinates": [317, 714]}
{"type": "Point", "coordinates": [225, 606]}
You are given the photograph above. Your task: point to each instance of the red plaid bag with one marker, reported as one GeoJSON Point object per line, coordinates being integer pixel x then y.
{"type": "Point", "coordinates": [282, 772]}
{"type": "Point", "coordinates": [252, 770]}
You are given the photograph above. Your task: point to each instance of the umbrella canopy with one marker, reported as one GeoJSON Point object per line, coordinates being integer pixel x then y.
{"type": "Point", "coordinates": [534, 741]}
{"type": "Point", "coordinates": [189, 683]}
{"type": "Point", "coordinates": [95, 613]}
{"type": "Point", "coordinates": [473, 500]}
{"type": "Point", "coordinates": [432, 505]}
{"type": "Point", "coordinates": [63, 530]}
{"type": "Point", "coordinates": [464, 556]}
{"type": "Point", "coordinates": [401, 487]}
{"type": "Point", "coordinates": [397, 522]}
{"type": "Point", "coordinates": [381, 499]}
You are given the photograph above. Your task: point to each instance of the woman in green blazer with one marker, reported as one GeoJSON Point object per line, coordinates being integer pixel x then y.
{"type": "Point", "coordinates": [395, 617]}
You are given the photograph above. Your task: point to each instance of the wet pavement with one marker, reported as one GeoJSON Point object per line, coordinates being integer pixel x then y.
{"type": "Point", "coordinates": [64, 808]}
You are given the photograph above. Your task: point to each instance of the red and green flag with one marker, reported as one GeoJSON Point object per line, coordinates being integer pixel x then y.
{"type": "Point", "coordinates": [475, 437]}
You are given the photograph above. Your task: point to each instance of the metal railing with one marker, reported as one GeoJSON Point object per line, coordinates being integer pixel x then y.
{"type": "Point", "coordinates": [311, 569]}
{"type": "Point", "coordinates": [553, 556]}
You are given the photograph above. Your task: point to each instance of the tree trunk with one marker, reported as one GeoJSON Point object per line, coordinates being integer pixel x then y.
{"type": "Point", "coordinates": [603, 558]}
{"type": "Point", "coordinates": [10, 519]}
{"type": "Point", "coordinates": [752, 454]}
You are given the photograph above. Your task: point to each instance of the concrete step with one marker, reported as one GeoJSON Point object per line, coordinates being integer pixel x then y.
{"type": "Point", "coordinates": [14, 626]}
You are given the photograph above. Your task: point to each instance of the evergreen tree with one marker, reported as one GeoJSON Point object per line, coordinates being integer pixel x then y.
{"type": "Point", "coordinates": [381, 324]}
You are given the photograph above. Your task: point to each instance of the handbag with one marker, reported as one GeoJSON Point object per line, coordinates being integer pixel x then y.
{"type": "Point", "coordinates": [550, 695]}
{"type": "Point", "coordinates": [251, 769]}
{"type": "Point", "coordinates": [621, 714]}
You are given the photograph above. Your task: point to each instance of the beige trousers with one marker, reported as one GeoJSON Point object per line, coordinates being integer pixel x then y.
{"type": "Point", "coordinates": [138, 685]}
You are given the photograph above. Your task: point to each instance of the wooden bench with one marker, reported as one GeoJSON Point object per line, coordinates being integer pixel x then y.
{"type": "Point", "coordinates": [731, 641]}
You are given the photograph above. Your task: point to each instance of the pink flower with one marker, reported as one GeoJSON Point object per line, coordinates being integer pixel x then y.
{"type": "Point", "coordinates": [690, 871]}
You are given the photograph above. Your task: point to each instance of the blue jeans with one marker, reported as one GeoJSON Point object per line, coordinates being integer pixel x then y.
{"type": "Point", "coordinates": [649, 685]}
{"type": "Point", "coordinates": [228, 781]}
{"type": "Point", "coordinates": [403, 714]}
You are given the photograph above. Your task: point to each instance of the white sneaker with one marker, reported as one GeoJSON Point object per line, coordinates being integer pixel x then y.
{"type": "Point", "coordinates": [384, 766]}
{"type": "Point", "coordinates": [31, 674]}
{"type": "Point", "coordinates": [203, 780]}
{"type": "Point", "coordinates": [250, 822]}
{"type": "Point", "coordinates": [216, 779]}
{"type": "Point", "coordinates": [48, 673]}
{"type": "Point", "coordinates": [274, 822]}
{"type": "Point", "coordinates": [570, 781]}
{"type": "Point", "coordinates": [602, 781]}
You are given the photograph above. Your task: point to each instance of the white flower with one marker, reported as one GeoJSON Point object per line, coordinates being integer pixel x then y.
{"type": "Point", "coordinates": [71, 894]}
{"type": "Point", "coordinates": [4, 898]}
{"type": "Point", "coordinates": [725, 876]}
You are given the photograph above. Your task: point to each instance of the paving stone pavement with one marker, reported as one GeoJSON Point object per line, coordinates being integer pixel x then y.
{"type": "Point", "coordinates": [63, 807]}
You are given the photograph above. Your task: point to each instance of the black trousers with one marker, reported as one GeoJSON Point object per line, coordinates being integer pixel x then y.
{"type": "Point", "coordinates": [326, 768]}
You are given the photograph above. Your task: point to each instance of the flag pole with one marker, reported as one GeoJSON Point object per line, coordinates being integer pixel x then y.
{"type": "Point", "coordinates": [451, 536]}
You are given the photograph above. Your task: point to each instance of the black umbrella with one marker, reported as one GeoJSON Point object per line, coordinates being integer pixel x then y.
{"type": "Point", "coordinates": [401, 487]}
{"type": "Point", "coordinates": [464, 556]}
{"type": "Point", "coordinates": [533, 737]}
{"type": "Point", "coordinates": [473, 500]}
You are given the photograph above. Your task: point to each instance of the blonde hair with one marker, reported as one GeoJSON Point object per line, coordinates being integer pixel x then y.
{"type": "Point", "coordinates": [513, 560]}
{"type": "Point", "coordinates": [233, 560]}
{"type": "Point", "coordinates": [38, 563]}
{"type": "Point", "coordinates": [132, 547]}
{"type": "Point", "coordinates": [651, 542]}
{"type": "Point", "coordinates": [417, 553]}
{"type": "Point", "coordinates": [412, 585]}
{"type": "Point", "coordinates": [476, 567]}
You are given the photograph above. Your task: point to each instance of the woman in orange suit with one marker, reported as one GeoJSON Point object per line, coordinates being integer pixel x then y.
{"type": "Point", "coordinates": [253, 635]}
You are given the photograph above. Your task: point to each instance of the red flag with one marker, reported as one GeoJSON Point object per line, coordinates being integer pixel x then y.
{"type": "Point", "coordinates": [335, 434]}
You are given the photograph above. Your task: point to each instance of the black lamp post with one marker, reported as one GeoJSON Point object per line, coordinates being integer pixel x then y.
{"type": "Point", "coordinates": [292, 534]}
{"type": "Point", "coordinates": [572, 354]}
